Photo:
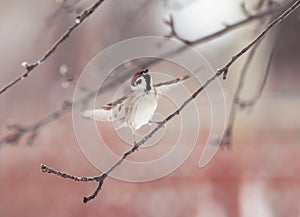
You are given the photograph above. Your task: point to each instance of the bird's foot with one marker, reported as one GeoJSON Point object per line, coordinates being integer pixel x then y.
{"type": "Point", "coordinates": [135, 146]}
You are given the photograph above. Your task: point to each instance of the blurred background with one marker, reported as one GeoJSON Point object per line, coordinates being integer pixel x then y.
{"type": "Point", "coordinates": [258, 176]}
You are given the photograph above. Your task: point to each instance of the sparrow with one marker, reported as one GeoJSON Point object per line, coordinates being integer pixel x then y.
{"type": "Point", "coordinates": [136, 107]}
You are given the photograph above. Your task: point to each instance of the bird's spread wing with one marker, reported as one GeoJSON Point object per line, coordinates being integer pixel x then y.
{"type": "Point", "coordinates": [163, 87]}
{"type": "Point", "coordinates": [108, 112]}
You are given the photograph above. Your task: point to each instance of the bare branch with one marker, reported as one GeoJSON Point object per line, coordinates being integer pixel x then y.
{"type": "Point", "coordinates": [237, 102]}
{"type": "Point", "coordinates": [20, 130]}
{"type": "Point", "coordinates": [173, 33]}
{"type": "Point", "coordinates": [227, 28]}
{"type": "Point", "coordinates": [221, 71]}
{"type": "Point", "coordinates": [244, 9]}
{"type": "Point", "coordinates": [252, 101]}
{"type": "Point", "coordinates": [227, 137]}
{"type": "Point", "coordinates": [46, 169]}
{"type": "Point", "coordinates": [30, 67]}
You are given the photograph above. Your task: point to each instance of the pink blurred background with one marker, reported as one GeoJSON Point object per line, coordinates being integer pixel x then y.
{"type": "Point", "coordinates": [258, 177]}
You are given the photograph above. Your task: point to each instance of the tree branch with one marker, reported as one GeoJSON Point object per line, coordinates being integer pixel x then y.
{"type": "Point", "coordinates": [237, 102]}
{"type": "Point", "coordinates": [221, 71]}
{"type": "Point", "coordinates": [20, 130]}
{"type": "Point", "coordinates": [252, 101]}
{"type": "Point", "coordinates": [227, 137]}
{"type": "Point", "coordinates": [226, 140]}
{"type": "Point", "coordinates": [30, 67]}
{"type": "Point", "coordinates": [227, 28]}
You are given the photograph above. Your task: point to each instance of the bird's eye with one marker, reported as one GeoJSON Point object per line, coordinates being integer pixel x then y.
{"type": "Point", "coordinates": [138, 81]}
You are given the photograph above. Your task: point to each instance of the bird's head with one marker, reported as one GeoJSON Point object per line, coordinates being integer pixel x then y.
{"type": "Point", "coordinates": [141, 80]}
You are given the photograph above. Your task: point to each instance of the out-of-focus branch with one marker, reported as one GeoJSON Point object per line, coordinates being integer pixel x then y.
{"type": "Point", "coordinates": [30, 67]}
{"type": "Point", "coordinates": [100, 179]}
{"type": "Point", "coordinates": [227, 137]}
{"type": "Point", "coordinates": [252, 101]}
{"type": "Point", "coordinates": [19, 130]}
{"type": "Point", "coordinates": [226, 29]}
{"type": "Point", "coordinates": [237, 102]}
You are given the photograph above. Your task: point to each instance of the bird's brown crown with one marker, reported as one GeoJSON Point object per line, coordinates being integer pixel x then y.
{"type": "Point", "coordinates": [138, 74]}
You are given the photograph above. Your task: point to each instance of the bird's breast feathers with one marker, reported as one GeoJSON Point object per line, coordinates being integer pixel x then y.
{"type": "Point", "coordinates": [141, 110]}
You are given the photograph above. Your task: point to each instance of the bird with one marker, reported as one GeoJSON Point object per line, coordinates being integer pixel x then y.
{"type": "Point", "coordinates": [137, 107]}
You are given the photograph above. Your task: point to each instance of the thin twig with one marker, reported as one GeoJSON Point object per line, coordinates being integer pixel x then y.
{"type": "Point", "coordinates": [226, 140]}
{"type": "Point", "coordinates": [251, 102]}
{"type": "Point", "coordinates": [46, 169]}
{"type": "Point", "coordinates": [227, 137]}
{"type": "Point", "coordinates": [237, 102]}
{"type": "Point", "coordinates": [30, 67]}
{"type": "Point", "coordinates": [224, 69]}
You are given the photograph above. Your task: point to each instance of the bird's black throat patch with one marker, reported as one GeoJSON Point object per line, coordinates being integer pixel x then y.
{"type": "Point", "coordinates": [148, 82]}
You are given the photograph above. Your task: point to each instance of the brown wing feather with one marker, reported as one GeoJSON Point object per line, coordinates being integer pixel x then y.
{"type": "Point", "coordinates": [164, 86]}
{"type": "Point", "coordinates": [113, 104]}
{"type": "Point", "coordinates": [108, 112]}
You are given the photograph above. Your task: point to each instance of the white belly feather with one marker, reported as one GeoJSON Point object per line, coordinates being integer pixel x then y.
{"type": "Point", "coordinates": [141, 110]}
